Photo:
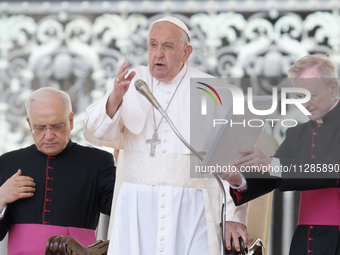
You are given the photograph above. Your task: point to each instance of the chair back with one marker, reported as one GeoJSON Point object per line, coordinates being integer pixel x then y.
{"type": "Point", "coordinates": [260, 209]}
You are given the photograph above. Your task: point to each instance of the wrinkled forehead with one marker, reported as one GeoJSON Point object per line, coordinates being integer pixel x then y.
{"type": "Point", "coordinates": [48, 106]}
{"type": "Point", "coordinates": [165, 32]}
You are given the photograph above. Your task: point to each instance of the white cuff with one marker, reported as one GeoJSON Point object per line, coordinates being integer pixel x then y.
{"type": "Point", "coordinates": [242, 187]}
{"type": "Point", "coordinates": [3, 213]}
{"type": "Point", "coordinates": [275, 164]}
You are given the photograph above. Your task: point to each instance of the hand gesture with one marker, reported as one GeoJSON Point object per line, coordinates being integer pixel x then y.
{"type": "Point", "coordinates": [16, 187]}
{"type": "Point", "coordinates": [121, 85]}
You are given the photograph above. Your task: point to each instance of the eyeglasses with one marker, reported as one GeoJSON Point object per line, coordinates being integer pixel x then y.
{"type": "Point", "coordinates": [42, 129]}
{"type": "Point", "coordinates": [320, 92]}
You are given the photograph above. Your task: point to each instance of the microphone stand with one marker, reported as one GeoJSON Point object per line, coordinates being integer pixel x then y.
{"type": "Point", "coordinates": [218, 179]}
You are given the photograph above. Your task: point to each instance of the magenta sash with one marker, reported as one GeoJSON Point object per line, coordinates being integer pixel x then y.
{"type": "Point", "coordinates": [31, 239]}
{"type": "Point", "coordinates": [320, 207]}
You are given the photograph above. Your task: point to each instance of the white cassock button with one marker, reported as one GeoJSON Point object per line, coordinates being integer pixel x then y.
{"type": "Point", "coordinates": [164, 151]}
{"type": "Point", "coordinates": [162, 227]}
{"type": "Point", "coordinates": [162, 216]}
{"type": "Point", "coordinates": [161, 238]}
{"type": "Point", "coordinates": [161, 250]}
{"type": "Point", "coordinates": [163, 205]}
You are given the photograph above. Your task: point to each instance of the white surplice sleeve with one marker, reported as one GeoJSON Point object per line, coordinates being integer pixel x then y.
{"type": "Point", "coordinates": [100, 129]}
{"type": "Point", "coordinates": [233, 212]}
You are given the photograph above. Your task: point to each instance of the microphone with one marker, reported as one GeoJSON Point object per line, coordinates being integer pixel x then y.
{"type": "Point", "coordinates": [143, 88]}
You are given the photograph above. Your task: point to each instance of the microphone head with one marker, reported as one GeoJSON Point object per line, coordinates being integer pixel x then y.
{"type": "Point", "coordinates": [143, 88]}
{"type": "Point", "coordinates": [139, 83]}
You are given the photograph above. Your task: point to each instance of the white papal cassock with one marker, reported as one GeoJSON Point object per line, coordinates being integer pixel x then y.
{"type": "Point", "coordinates": [159, 209]}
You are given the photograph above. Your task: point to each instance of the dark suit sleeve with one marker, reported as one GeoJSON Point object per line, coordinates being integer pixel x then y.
{"type": "Point", "coordinates": [307, 174]}
{"type": "Point", "coordinates": [107, 176]}
{"type": "Point", "coordinates": [4, 226]}
{"type": "Point", "coordinates": [256, 187]}
{"type": "Point", "coordinates": [306, 178]}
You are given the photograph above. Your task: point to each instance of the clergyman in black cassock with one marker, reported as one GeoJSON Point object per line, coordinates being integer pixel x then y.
{"type": "Point", "coordinates": [63, 186]}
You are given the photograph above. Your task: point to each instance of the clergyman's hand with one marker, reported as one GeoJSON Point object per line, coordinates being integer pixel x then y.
{"type": "Point", "coordinates": [16, 187]}
{"type": "Point", "coordinates": [253, 157]}
{"type": "Point", "coordinates": [234, 230]}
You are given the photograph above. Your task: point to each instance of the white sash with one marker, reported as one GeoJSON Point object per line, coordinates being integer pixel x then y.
{"type": "Point", "coordinates": [161, 169]}
{"type": "Point", "coordinates": [173, 170]}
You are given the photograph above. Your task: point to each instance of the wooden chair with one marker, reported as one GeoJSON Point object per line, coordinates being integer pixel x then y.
{"type": "Point", "coordinates": [258, 225]}
{"type": "Point", "coordinates": [259, 214]}
{"type": "Point", "coordinates": [67, 245]}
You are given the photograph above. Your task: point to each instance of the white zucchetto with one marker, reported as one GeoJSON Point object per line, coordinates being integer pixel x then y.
{"type": "Point", "coordinates": [176, 22]}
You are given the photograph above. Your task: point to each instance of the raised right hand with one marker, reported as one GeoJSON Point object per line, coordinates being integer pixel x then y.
{"type": "Point", "coordinates": [16, 187]}
{"type": "Point", "coordinates": [121, 85]}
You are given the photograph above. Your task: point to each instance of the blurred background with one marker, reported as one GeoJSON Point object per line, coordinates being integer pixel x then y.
{"type": "Point", "coordinates": [78, 46]}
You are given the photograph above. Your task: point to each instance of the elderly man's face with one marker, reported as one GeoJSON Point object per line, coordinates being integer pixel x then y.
{"type": "Point", "coordinates": [168, 51]}
{"type": "Point", "coordinates": [50, 125]}
{"type": "Point", "coordinates": [323, 93]}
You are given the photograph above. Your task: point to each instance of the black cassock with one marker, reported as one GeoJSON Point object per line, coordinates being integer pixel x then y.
{"type": "Point", "coordinates": [310, 156]}
{"type": "Point", "coordinates": [72, 188]}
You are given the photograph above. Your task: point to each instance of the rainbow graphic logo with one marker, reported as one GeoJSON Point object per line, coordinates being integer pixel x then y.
{"type": "Point", "coordinates": [209, 93]}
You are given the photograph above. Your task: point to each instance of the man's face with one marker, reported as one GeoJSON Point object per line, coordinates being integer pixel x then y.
{"type": "Point", "coordinates": [323, 93]}
{"type": "Point", "coordinates": [50, 125]}
{"type": "Point", "coordinates": [168, 51]}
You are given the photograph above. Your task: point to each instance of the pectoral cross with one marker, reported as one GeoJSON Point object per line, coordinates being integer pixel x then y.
{"type": "Point", "coordinates": [154, 142]}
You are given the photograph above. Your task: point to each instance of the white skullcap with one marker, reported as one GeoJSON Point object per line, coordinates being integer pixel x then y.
{"type": "Point", "coordinates": [176, 22]}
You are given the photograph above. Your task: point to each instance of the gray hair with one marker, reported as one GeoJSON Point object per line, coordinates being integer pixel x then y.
{"type": "Point", "coordinates": [323, 65]}
{"type": "Point", "coordinates": [48, 92]}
